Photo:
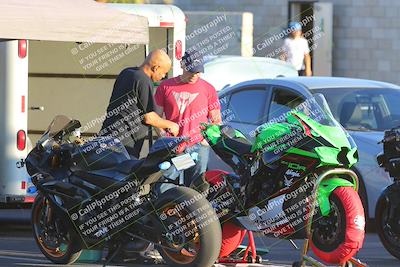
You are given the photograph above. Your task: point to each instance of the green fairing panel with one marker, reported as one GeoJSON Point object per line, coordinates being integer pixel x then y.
{"type": "Point", "coordinates": [270, 134]}
{"type": "Point", "coordinates": [298, 151]}
{"type": "Point", "coordinates": [329, 156]}
{"type": "Point", "coordinates": [212, 133]}
{"type": "Point", "coordinates": [325, 189]}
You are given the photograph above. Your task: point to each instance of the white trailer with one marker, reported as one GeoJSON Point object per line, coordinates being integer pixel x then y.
{"type": "Point", "coordinates": [41, 79]}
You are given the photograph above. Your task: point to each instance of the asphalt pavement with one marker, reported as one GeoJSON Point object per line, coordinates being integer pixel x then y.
{"type": "Point", "coordinates": [18, 248]}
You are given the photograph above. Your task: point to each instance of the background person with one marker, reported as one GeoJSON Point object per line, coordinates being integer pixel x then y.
{"type": "Point", "coordinates": [188, 101]}
{"type": "Point", "coordinates": [131, 108]}
{"type": "Point", "coordinates": [296, 50]}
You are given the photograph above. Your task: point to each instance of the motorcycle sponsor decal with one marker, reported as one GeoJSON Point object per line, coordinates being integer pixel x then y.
{"type": "Point", "coordinates": [287, 182]}
{"type": "Point", "coordinates": [292, 173]}
{"type": "Point", "coordinates": [294, 166]}
{"type": "Point", "coordinates": [359, 221]}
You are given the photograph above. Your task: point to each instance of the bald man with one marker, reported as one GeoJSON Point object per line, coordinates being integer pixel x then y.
{"type": "Point", "coordinates": [131, 109]}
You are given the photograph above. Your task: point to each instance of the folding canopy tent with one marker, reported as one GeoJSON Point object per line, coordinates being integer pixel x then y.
{"type": "Point", "coordinates": [70, 20]}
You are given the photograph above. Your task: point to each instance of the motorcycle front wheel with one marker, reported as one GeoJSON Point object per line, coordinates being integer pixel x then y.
{"type": "Point", "coordinates": [55, 242]}
{"type": "Point", "coordinates": [190, 232]}
{"type": "Point", "coordinates": [338, 237]}
{"type": "Point", "coordinates": [389, 233]}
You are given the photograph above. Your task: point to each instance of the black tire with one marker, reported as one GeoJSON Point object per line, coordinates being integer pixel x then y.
{"type": "Point", "coordinates": [389, 238]}
{"type": "Point", "coordinates": [64, 254]}
{"type": "Point", "coordinates": [296, 264]}
{"type": "Point", "coordinates": [202, 244]}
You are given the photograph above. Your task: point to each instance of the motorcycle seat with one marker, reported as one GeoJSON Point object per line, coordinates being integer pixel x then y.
{"type": "Point", "coordinates": [238, 144]}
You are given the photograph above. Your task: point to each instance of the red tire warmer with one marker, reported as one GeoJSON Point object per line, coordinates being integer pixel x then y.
{"type": "Point", "coordinates": [232, 235]}
{"type": "Point", "coordinates": [355, 224]}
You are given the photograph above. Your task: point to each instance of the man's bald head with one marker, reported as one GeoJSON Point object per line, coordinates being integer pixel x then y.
{"type": "Point", "coordinates": [157, 64]}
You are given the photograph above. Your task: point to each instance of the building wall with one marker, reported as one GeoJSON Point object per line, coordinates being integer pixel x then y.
{"type": "Point", "coordinates": [366, 41]}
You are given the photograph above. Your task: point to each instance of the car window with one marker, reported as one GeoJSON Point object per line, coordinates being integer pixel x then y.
{"type": "Point", "coordinates": [283, 101]}
{"type": "Point", "coordinates": [248, 105]}
{"type": "Point", "coordinates": [362, 109]}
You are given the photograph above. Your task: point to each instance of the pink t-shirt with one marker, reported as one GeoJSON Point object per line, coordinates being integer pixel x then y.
{"type": "Point", "coordinates": [187, 104]}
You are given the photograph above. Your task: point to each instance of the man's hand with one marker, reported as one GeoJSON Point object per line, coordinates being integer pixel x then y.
{"type": "Point", "coordinates": [174, 129]}
{"type": "Point", "coordinates": [308, 72]}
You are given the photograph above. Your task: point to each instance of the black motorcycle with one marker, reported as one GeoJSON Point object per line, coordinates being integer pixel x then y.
{"type": "Point", "coordinates": [92, 195]}
{"type": "Point", "coordinates": [387, 212]}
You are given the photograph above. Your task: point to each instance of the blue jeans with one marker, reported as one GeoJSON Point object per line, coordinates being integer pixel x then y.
{"type": "Point", "coordinates": [190, 174]}
{"type": "Point", "coordinates": [197, 170]}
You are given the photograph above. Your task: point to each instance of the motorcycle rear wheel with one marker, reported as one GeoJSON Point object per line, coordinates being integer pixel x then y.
{"type": "Point", "coordinates": [57, 248]}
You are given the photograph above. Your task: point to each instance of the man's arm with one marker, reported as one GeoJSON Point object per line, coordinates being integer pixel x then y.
{"type": "Point", "coordinates": [153, 119]}
{"type": "Point", "coordinates": [284, 51]}
{"type": "Point", "coordinates": [307, 63]}
{"type": "Point", "coordinates": [215, 116]}
{"type": "Point", "coordinates": [214, 107]}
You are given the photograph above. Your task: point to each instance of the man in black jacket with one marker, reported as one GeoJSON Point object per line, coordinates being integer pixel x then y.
{"type": "Point", "coordinates": [131, 108]}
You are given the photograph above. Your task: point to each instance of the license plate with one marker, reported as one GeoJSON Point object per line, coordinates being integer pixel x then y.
{"type": "Point", "coordinates": [183, 162]}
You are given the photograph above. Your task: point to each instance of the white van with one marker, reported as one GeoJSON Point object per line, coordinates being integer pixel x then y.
{"type": "Point", "coordinates": [41, 79]}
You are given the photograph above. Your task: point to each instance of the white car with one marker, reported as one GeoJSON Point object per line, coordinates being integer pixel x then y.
{"type": "Point", "coordinates": [225, 71]}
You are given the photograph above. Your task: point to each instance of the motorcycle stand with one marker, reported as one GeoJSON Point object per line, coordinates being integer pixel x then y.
{"type": "Point", "coordinates": [247, 258]}
{"type": "Point", "coordinates": [313, 262]}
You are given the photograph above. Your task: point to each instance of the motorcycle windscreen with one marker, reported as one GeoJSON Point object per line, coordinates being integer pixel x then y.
{"type": "Point", "coordinates": [316, 114]}
{"type": "Point", "coordinates": [56, 125]}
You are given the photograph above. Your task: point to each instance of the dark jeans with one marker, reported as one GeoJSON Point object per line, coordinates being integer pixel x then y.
{"type": "Point", "coordinates": [301, 72]}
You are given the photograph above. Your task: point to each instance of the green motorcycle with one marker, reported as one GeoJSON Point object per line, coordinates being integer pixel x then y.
{"type": "Point", "coordinates": [293, 182]}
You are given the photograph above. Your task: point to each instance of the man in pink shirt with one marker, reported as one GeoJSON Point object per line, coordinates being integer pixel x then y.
{"type": "Point", "coordinates": [188, 101]}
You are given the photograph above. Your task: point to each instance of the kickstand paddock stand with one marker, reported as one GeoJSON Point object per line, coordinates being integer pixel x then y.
{"type": "Point", "coordinates": [305, 259]}
{"type": "Point", "coordinates": [251, 248]}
